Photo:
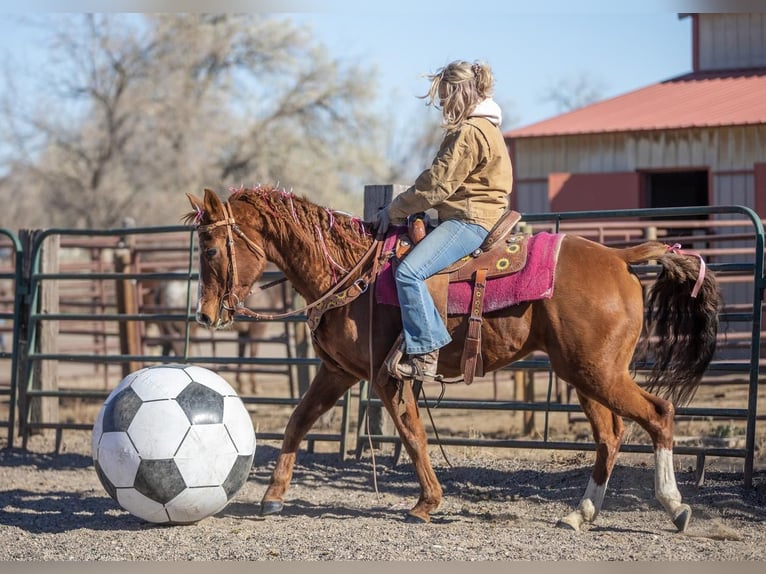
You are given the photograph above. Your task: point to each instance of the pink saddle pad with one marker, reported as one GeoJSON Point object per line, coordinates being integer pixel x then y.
{"type": "Point", "coordinates": [534, 281]}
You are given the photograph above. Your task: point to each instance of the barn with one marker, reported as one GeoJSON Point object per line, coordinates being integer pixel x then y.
{"type": "Point", "coordinates": [696, 139]}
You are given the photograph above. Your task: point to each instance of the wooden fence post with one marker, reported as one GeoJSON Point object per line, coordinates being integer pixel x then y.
{"type": "Point", "coordinates": [375, 197]}
{"type": "Point", "coordinates": [127, 304]}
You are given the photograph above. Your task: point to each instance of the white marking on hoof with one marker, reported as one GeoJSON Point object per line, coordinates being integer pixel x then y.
{"type": "Point", "coordinates": [591, 502]}
{"type": "Point", "coordinates": [666, 490]}
{"type": "Point", "coordinates": [588, 509]}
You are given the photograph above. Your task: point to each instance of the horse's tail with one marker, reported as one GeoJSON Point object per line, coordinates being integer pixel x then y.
{"type": "Point", "coordinates": [682, 319]}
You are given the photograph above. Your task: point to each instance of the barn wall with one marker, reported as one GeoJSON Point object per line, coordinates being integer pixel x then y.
{"type": "Point", "coordinates": [730, 153]}
{"type": "Point", "coordinates": [585, 192]}
{"type": "Point", "coordinates": [531, 197]}
{"type": "Point", "coordinates": [731, 41]}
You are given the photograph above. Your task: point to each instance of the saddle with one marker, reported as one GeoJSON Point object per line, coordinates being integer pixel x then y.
{"type": "Point", "coordinates": [501, 253]}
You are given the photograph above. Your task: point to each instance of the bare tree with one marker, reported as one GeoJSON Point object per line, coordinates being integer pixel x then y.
{"type": "Point", "coordinates": [142, 108]}
{"type": "Point", "coordinates": [573, 92]}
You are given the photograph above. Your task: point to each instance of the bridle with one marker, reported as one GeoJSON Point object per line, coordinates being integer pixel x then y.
{"type": "Point", "coordinates": [231, 302]}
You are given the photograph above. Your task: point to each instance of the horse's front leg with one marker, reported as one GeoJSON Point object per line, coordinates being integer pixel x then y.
{"type": "Point", "coordinates": [325, 390]}
{"type": "Point", "coordinates": [406, 418]}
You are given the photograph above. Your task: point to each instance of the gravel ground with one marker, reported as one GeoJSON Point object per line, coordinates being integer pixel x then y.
{"type": "Point", "coordinates": [52, 507]}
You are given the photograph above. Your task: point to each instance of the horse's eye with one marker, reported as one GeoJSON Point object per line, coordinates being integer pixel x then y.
{"type": "Point", "coordinates": [210, 253]}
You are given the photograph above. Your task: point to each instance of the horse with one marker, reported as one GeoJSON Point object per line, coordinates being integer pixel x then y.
{"type": "Point", "coordinates": [588, 328]}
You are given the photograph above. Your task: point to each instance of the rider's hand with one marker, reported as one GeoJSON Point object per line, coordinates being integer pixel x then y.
{"type": "Point", "coordinates": [381, 221]}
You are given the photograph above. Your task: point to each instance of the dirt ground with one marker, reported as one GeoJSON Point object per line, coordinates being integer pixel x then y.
{"type": "Point", "coordinates": [496, 507]}
{"type": "Point", "coordinates": [499, 503]}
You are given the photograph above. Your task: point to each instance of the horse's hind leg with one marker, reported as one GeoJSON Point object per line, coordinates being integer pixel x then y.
{"type": "Point", "coordinates": [607, 432]}
{"type": "Point", "coordinates": [655, 415]}
{"type": "Point", "coordinates": [325, 390]}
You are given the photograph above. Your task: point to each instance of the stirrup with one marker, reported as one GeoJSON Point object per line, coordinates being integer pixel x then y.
{"type": "Point", "coordinates": [424, 378]}
{"type": "Point", "coordinates": [419, 373]}
{"type": "Point", "coordinates": [394, 356]}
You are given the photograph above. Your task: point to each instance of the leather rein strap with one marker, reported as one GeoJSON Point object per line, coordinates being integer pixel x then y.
{"type": "Point", "coordinates": [234, 304]}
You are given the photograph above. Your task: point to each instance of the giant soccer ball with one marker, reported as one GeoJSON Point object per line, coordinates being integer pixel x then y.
{"type": "Point", "coordinates": [173, 443]}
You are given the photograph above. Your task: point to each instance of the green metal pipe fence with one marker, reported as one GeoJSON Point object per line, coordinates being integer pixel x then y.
{"type": "Point", "coordinates": [12, 275]}
{"type": "Point", "coordinates": [30, 355]}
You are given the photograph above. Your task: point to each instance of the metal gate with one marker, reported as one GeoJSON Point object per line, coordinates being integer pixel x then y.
{"type": "Point", "coordinates": [108, 316]}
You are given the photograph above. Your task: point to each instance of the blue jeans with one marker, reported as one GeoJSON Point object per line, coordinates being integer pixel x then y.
{"type": "Point", "coordinates": [424, 330]}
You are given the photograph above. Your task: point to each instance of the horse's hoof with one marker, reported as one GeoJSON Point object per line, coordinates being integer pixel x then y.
{"type": "Point", "coordinates": [271, 507]}
{"type": "Point", "coordinates": [681, 519]}
{"type": "Point", "coordinates": [571, 521]}
{"type": "Point", "coordinates": [564, 525]}
{"type": "Point", "coordinates": [415, 519]}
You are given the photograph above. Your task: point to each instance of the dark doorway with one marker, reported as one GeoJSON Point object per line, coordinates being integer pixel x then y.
{"type": "Point", "coordinates": [679, 189]}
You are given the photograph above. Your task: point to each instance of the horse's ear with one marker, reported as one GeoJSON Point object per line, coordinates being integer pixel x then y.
{"type": "Point", "coordinates": [213, 205]}
{"type": "Point", "coordinates": [196, 202]}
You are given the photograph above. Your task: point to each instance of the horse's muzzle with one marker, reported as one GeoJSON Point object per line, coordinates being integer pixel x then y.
{"type": "Point", "coordinates": [220, 322]}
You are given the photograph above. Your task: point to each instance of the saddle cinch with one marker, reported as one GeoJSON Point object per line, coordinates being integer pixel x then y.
{"type": "Point", "coordinates": [501, 253]}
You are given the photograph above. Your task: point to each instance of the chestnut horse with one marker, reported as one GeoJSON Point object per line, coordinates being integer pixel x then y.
{"type": "Point", "coordinates": [589, 329]}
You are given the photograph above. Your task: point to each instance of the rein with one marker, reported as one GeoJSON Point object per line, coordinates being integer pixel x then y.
{"type": "Point", "coordinates": [362, 283]}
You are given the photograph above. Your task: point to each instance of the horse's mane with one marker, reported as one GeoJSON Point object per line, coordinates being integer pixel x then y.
{"type": "Point", "coordinates": [284, 216]}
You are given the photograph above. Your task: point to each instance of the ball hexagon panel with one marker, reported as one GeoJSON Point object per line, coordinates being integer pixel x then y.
{"type": "Point", "coordinates": [158, 429]}
{"type": "Point", "coordinates": [141, 506]}
{"type": "Point", "coordinates": [118, 458]}
{"type": "Point", "coordinates": [202, 405]}
{"type": "Point", "coordinates": [194, 504]}
{"type": "Point", "coordinates": [124, 383]}
{"type": "Point", "coordinates": [237, 420]}
{"type": "Point", "coordinates": [164, 382]}
{"type": "Point", "coordinates": [210, 379]}
{"type": "Point", "coordinates": [213, 467]}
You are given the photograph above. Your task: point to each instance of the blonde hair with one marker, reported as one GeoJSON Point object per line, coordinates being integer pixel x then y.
{"type": "Point", "coordinates": [457, 88]}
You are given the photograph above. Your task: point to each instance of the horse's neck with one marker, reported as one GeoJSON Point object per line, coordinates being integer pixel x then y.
{"type": "Point", "coordinates": [314, 264]}
{"type": "Point", "coordinates": [304, 275]}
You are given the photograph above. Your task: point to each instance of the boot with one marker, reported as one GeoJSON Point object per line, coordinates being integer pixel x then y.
{"type": "Point", "coordinates": [419, 367]}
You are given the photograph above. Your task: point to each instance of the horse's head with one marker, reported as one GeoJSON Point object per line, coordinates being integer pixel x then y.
{"type": "Point", "coordinates": [230, 261]}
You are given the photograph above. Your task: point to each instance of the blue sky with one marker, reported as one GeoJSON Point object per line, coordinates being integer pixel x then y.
{"type": "Point", "coordinates": [528, 51]}
{"type": "Point", "coordinates": [530, 47]}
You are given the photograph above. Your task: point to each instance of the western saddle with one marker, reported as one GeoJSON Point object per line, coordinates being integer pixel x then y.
{"type": "Point", "coordinates": [501, 253]}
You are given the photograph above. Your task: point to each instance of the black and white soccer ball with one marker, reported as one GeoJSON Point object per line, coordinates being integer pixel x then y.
{"type": "Point", "coordinates": [173, 443]}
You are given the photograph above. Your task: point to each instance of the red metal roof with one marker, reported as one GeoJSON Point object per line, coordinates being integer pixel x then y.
{"type": "Point", "coordinates": [693, 100]}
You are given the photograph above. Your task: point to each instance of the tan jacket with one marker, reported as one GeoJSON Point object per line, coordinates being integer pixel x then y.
{"type": "Point", "coordinates": [470, 178]}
